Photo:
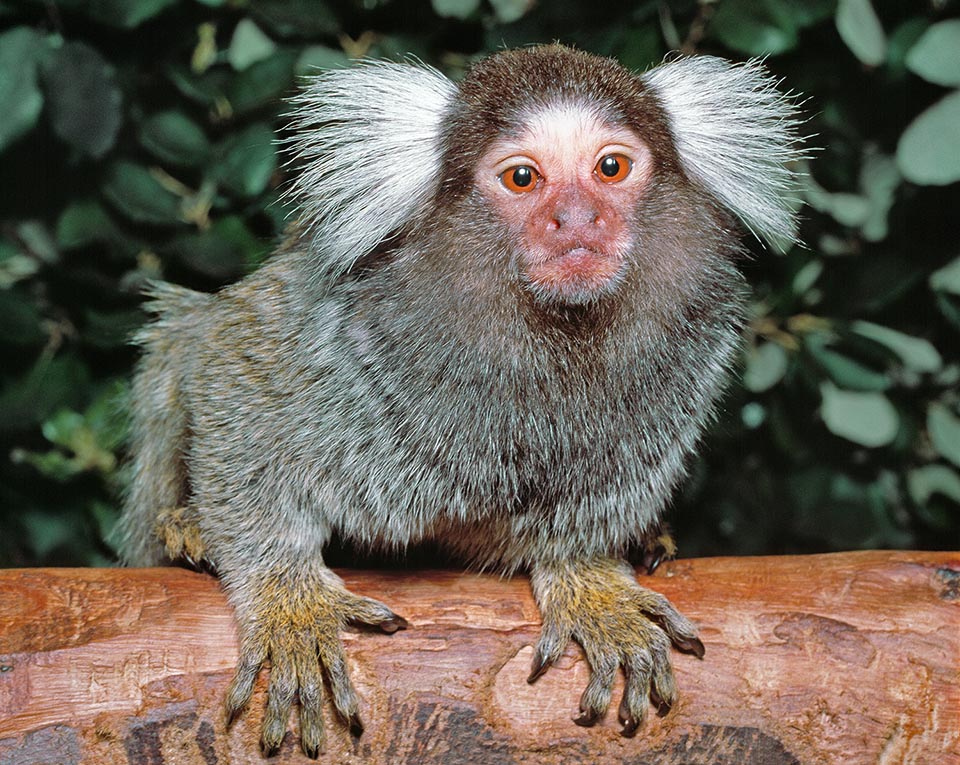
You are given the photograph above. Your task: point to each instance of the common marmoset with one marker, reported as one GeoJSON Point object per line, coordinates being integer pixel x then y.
{"type": "Point", "coordinates": [500, 323]}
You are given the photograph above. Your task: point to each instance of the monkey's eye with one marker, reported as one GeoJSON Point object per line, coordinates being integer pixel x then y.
{"type": "Point", "coordinates": [613, 168]}
{"type": "Point", "coordinates": [520, 179]}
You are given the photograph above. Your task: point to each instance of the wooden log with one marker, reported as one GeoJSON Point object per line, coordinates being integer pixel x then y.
{"type": "Point", "coordinates": [848, 658]}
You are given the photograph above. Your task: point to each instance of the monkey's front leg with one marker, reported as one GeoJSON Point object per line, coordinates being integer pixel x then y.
{"type": "Point", "coordinates": [598, 603]}
{"type": "Point", "coordinates": [293, 616]}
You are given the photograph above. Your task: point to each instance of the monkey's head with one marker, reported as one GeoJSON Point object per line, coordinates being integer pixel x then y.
{"type": "Point", "coordinates": [561, 148]}
{"type": "Point", "coordinates": [554, 152]}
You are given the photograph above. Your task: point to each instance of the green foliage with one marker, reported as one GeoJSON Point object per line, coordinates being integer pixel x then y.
{"type": "Point", "coordinates": [138, 140]}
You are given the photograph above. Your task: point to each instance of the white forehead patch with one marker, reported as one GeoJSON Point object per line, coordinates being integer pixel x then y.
{"type": "Point", "coordinates": [567, 134]}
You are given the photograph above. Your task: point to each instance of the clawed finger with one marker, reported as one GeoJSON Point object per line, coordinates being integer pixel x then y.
{"type": "Point", "coordinates": [596, 696]}
{"type": "Point", "coordinates": [241, 687]}
{"type": "Point", "coordinates": [549, 649]}
{"type": "Point", "coordinates": [310, 681]}
{"type": "Point", "coordinates": [280, 695]}
{"type": "Point", "coordinates": [345, 699]}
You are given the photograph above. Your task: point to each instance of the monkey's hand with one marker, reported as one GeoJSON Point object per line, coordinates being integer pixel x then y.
{"type": "Point", "coordinates": [293, 618]}
{"type": "Point", "coordinates": [598, 603]}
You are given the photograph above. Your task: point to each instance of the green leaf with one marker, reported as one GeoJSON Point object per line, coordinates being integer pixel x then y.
{"type": "Point", "coordinates": [39, 241]}
{"type": "Point", "coordinates": [753, 415]}
{"type": "Point", "coordinates": [806, 277]}
{"type": "Point", "coordinates": [849, 209]}
{"type": "Point", "coordinates": [936, 55]}
{"type": "Point", "coordinates": [108, 414]}
{"type": "Point", "coordinates": [944, 428]}
{"type": "Point", "coordinates": [15, 265]}
{"type": "Point", "coordinates": [86, 442]}
{"type": "Point", "coordinates": [126, 13]}
{"type": "Point", "coordinates": [297, 18]}
{"type": "Point", "coordinates": [110, 329]}
{"type": "Point", "coordinates": [916, 353]}
{"type": "Point", "coordinates": [861, 30]}
{"type": "Point", "coordinates": [810, 12]}
{"type": "Point", "coordinates": [847, 372]}
{"type": "Point", "coordinates": [20, 323]}
{"type": "Point", "coordinates": [766, 365]}
{"type": "Point", "coordinates": [136, 194]}
{"type": "Point", "coordinates": [247, 160]}
{"type": "Point", "coordinates": [947, 279]}
{"type": "Point", "coordinates": [508, 11]}
{"type": "Point", "coordinates": [208, 255]}
{"type": "Point", "coordinates": [82, 223]}
{"type": "Point", "coordinates": [50, 384]}
{"type": "Point", "coordinates": [949, 309]}
{"type": "Point", "coordinates": [901, 40]}
{"type": "Point", "coordinates": [755, 27]}
{"type": "Point", "coordinates": [879, 179]}
{"type": "Point", "coordinates": [206, 88]}
{"type": "Point", "coordinates": [929, 149]}
{"type": "Point", "coordinates": [868, 419]}
{"type": "Point", "coordinates": [640, 48]}
{"type": "Point", "coordinates": [46, 532]}
{"type": "Point", "coordinates": [233, 230]}
{"type": "Point", "coordinates": [262, 83]}
{"type": "Point", "coordinates": [84, 99]}
{"type": "Point", "coordinates": [924, 482]}
{"type": "Point", "coordinates": [845, 208]}
{"type": "Point", "coordinates": [172, 137]}
{"type": "Point", "coordinates": [314, 58]}
{"type": "Point", "coordinates": [248, 45]}
{"type": "Point", "coordinates": [456, 9]}
{"type": "Point", "coordinates": [20, 98]}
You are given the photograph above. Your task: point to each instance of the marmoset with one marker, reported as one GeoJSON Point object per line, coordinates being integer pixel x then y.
{"type": "Point", "coordinates": [500, 324]}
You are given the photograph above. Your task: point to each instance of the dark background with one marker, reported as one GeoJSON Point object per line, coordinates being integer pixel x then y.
{"type": "Point", "coordinates": [137, 140]}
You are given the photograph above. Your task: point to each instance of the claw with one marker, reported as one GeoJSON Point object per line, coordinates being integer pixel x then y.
{"type": "Point", "coordinates": [271, 748]}
{"type": "Point", "coordinates": [662, 706]}
{"type": "Point", "coordinates": [587, 719]}
{"type": "Point", "coordinates": [356, 725]}
{"type": "Point", "coordinates": [653, 559]}
{"type": "Point", "coordinates": [540, 665]}
{"type": "Point", "coordinates": [692, 645]}
{"type": "Point", "coordinates": [630, 727]}
{"type": "Point", "coordinates": [393, 624]}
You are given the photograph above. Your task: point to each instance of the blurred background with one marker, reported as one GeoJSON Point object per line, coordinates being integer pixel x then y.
{"type": "Point", "coordinates": [138, 140]}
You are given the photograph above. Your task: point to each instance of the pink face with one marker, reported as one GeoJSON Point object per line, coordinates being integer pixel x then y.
{"type": "Point", "coordinates": [566, 188]}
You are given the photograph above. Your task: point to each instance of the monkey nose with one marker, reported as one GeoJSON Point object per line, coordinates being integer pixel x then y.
{"type": "Point", "coordinates": [574, 217]}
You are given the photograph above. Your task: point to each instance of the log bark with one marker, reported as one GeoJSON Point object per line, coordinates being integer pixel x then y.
{"type": "Point", "coordinates": [845, 658]}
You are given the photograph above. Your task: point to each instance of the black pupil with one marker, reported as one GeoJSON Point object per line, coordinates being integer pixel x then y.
{"type": "Point", "coordinates": [610, 166]}
{"type": "Point", "coordinates": [522, 177]}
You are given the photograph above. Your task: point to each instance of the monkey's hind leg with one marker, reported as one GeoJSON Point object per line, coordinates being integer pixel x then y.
{"type": "Point", "coordinates": [598, 603]}
{"type": "Point", "coordinates": [293, 617]}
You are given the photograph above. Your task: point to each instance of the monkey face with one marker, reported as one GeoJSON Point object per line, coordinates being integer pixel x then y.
{"type": "Point", "coordinates": [566, 186]}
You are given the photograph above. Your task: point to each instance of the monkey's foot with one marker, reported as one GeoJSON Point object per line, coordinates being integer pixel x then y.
{"type": "Point", "coordinates": [657, 546]}
{"type": "Point", "coordinates": [599, 604]}
{"type": "Point", "coordinates": [180, 537]}
{"type": "Point", "coordinates": [294, 620]}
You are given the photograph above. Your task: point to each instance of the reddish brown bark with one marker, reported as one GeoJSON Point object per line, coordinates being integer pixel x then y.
{"type": "Point", "coordinates": [850, 658]}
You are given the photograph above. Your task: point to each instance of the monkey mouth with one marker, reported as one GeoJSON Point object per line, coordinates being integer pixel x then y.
{"type": "Point", "coordinates": [575, 274]}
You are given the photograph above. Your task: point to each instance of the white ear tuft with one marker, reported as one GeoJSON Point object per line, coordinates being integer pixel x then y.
{"type": "Point", "coordinates": [369, 141]}
{"type": "Point", "coordinates": [736, 136]}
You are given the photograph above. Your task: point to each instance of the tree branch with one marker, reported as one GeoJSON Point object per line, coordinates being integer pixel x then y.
{"type": "Point", "coordinates": [847, 658]}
